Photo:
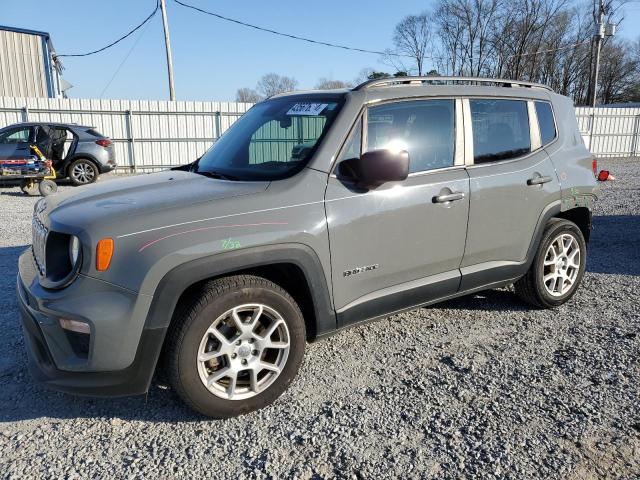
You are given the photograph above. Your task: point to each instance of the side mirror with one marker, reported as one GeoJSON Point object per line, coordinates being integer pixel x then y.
{"type": "Point", "coordinates": [376, 167]}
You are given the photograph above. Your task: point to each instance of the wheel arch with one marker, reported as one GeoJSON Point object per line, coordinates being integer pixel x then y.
{"type": "Point", "coordinates": [295, 267]}
{"type": "Point", "coordinates": [582, 217]}
{"type": "Point", "coordinates": [80, 156]}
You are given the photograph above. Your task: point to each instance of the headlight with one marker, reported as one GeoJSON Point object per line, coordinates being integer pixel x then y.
{"type": "Point", "coordinates": [63, 257]}
{"type": "Point", "coordinates": [74, 250]}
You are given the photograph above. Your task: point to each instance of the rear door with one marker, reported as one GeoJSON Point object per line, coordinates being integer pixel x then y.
{"type": "Point", "coordinates": [512, 182]}
{"type": "Point", "coordinates": [14, 143]}
{"type": "Point", "coordinates": [399, 245]}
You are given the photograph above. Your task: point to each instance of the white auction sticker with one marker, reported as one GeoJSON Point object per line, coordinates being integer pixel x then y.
{"type": "Point", "coordinates": [307, 109]}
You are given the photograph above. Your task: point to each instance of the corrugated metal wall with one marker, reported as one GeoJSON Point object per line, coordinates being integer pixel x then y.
{"type": "Point", "coordinates": [22, 71]}
{"type": "Point", "coordinates": [616, 131]}
{"type": "Point", "coordinates": [148, 135]}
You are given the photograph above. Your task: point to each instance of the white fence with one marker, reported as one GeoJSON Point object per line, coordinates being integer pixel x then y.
{"type": "Point", "coordinates": [616, 131]}
{"type": "Point", "coordinates": [147, 135]}
{"type": "Point", "coordinates": [150, 135]}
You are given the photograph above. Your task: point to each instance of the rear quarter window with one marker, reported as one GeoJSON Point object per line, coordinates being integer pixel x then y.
{"type": "Point", "coordinates": [546, 122]}
{"type": "Point", "coordinates": [94, 132]}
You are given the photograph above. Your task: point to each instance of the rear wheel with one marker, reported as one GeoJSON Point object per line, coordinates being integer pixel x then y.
{"type": "Point", "coordinates": [236, 346]}
{"type": "Point", "coordinates": [83, 172]}
{"type": "Point", "coordinates": [558, 267]}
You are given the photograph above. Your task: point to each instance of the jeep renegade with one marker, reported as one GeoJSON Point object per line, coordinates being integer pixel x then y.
{"type": "Point", "coordinates": [314, 211]}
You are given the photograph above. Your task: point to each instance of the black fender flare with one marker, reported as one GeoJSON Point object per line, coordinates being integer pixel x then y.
{"type": "Point", "coordinates": [176, 281]}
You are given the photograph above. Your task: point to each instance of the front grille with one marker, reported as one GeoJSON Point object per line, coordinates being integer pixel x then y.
{"type": "Point", "coordinates": [39, 241]}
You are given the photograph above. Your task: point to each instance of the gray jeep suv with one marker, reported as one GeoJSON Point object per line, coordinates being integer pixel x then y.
{"type": "Point", "coordinates": [405, 192]}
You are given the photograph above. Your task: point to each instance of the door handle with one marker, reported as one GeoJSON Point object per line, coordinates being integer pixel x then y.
{"type": "Point", "coordinates": [539, 180]}
{"type": "Point", "coordinates": [450, 197]}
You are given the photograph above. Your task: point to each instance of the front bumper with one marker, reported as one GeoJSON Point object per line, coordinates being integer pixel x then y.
{"type": "Point", "coordinates": [53, 360]}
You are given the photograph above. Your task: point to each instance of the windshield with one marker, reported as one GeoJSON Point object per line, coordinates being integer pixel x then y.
{"type": "Point", "coordinates": [274, 139]}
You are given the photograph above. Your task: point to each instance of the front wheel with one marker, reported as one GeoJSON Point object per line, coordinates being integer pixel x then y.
{"type": "Point", "coordinates": [235, 346]}
{"type": "Point", "coordinates": [558, 267]}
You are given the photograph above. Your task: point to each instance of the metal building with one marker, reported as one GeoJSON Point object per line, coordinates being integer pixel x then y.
{"type": "Point", "coordinates": [28, 65]}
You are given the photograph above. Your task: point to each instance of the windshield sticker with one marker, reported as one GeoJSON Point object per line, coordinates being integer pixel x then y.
{"type": "Point", "coordinates": [307, 109]}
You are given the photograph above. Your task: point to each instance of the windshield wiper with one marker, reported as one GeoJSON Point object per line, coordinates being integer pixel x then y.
{"type": "Point", "coordinates": [213, 174]}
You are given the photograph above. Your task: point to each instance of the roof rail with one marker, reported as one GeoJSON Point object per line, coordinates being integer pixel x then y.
{"type": "Point", "coordinates": [390, 81]}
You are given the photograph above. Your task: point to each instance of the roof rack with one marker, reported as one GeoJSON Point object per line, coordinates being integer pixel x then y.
{"type": "Point", "coordinates": [391, 81]}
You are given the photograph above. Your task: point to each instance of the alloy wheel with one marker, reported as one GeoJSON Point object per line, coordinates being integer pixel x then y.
{"type": "Point", "coordinates": [243, 351]}
{"type": "Point", "coordinates": [83, 172]}
{"type": "Point", "coordinates": [561, 264]}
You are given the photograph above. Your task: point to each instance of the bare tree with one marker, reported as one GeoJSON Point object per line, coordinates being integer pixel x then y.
{"type": "Point", "coordinates": [544, 41]}
{"type": "Point", "coordinates": [326, 84]}
{"type": "Point", "coordinates": [272, 84]}
{"type": "Point", "coordinates": [247, 95]}
{"type": "Point", "coordinates": [411, 38]}
{"type": "Point", "coordinates": [620, 72]}
{"type": "Point", "coordinates": [467, 30]}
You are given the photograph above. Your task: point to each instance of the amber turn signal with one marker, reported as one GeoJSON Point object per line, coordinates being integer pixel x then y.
{"type": "Point", "coordinates": [104, 252]}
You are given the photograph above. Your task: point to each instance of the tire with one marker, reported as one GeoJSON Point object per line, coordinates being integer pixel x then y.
{"type": "Point", "coordinates": [29, 187]}
{"type": "Point", "coordinates": [196, 355]}
{"type": "Point", "coordinates": [562, 270]}
{"type": "Point", "coordinates": [82, 172]}
{"type": "Point", "coordinates": [47, 187]}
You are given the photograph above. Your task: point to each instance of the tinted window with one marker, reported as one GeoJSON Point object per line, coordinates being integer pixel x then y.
{"type": "Point", "coordinates": [546, 122]}
{"type": "Point", "coordinates": [15, 135]}
{"type": "Point", "coordinates": [94, 132]}
{"type": "Point", "coordinates": [273, 140]}
{"type": "Point", "coordinates": [424, 128]}
{"type": "Point", "coordinates": [290, 141]}
{"type": "Point", "coordinates": [500, 129]}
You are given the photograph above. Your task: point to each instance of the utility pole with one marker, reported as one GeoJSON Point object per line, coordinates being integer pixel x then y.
{"type": "Point", "coordinates": [598, 36]}
{"type": "Point", "coordinates": [602, 30]}
{"type": "Point", "coordinates": [167, 42]}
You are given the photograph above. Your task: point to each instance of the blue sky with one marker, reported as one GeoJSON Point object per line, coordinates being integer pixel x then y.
{"type": "Point", "coordinates": [213, 58]}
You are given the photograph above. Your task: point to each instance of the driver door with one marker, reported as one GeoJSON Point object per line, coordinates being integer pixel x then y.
{"type": "Point", "coordinates": [398, 246]}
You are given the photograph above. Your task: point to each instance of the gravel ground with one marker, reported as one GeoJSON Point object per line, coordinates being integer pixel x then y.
{"type": "Point", "coordinates": [481, 386]}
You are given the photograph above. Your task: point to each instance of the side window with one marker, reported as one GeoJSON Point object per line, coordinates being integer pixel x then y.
{"type": "Point", "coordinates": [500, 129]}
{"type": "Point", "coordinates": [424, 128]}
{"type": "Point", "coordinates": [546, 122]}
{"type": "Point", "coordinates": [17, 135]}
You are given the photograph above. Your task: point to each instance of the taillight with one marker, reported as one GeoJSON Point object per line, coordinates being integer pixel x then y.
{"type": "Point", "coordinates": [594, 167]}
{"type": "Point", "coordinates": [104, 142]}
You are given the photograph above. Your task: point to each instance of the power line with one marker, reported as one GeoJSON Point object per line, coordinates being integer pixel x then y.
{"type": "Point", "coordinates": [288, 35]}
{"type": "Point", "coordinates": [126, 57]}
{"type": "Point", "coordinates": [131, 32]}
{"type": "Point", "coordinates": [550, 49]}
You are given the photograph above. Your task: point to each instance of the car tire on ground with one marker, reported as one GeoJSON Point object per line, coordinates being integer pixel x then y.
{"type": "Point", "coordinates": [234, 346]}
{"type": "Point", "coordinates": [557, 268]}
{"type": "Point", "coordinates": [83, 172]}
{"type": "Point", "coordinates": [29, 187]}
{"type": "Point", "coordinates": [47, 187]}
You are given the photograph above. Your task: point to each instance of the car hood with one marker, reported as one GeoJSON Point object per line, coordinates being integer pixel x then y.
{"type": "Point", "coordinates": [142, 195]}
